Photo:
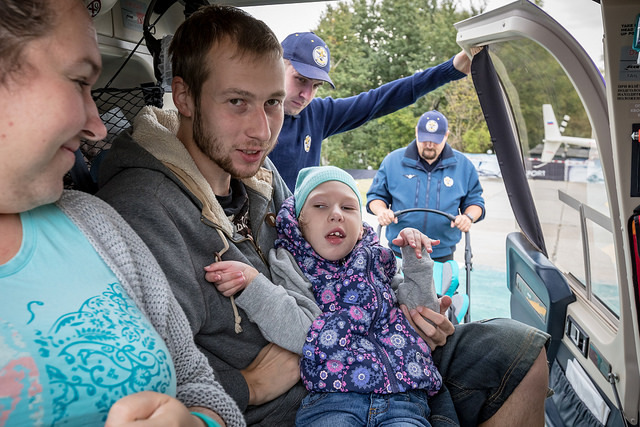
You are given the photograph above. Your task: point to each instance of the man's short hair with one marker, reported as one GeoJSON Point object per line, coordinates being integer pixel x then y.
{"type": "Point", "coordinates": [212, 24]}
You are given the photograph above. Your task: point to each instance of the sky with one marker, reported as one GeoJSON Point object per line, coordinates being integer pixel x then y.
{"type": "Point", "coordinates": [586, 26]}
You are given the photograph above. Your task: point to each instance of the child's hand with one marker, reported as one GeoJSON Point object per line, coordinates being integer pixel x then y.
{"type": "Point", "coordinates": [230, 277]}
{"type": "Point", "coordinates": [415, 239]}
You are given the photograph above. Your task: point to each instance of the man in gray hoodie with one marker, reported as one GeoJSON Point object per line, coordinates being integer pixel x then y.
{"type": "Point", "coordinates": [197, 186]}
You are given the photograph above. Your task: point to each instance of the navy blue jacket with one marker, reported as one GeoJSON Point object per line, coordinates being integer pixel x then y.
{"type": "Point", "coordinates": [452, 186]}
{"type": "Point", "coordinates": [301, 137]}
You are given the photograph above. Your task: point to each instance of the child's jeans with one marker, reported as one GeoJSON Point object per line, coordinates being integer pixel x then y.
{"type": "Point", "coordinates": [337, 409]}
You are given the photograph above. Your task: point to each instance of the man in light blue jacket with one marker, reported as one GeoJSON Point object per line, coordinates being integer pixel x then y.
{"type": "Point", "coordinates": [428, 173]}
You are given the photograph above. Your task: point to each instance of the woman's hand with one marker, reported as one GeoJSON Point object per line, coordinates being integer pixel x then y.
{"type": "Point", "coordinates": [148, 408]}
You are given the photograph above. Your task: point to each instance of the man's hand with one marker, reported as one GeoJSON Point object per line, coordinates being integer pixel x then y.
{"type": "Point", "coordinates": [386, 217]}
{"type": "Point", "coordinates": [415, 239]}
{"type": "Point", "coordinates": [148, 408]}
{"type": "Point", "coordinates": [230, 277]}
{"type": "Point", "coordinates": [381, 210]}
{"type": "Point", "coordinates": [273, 372]}
{"type": "Point", "coordinates": [463, 223]}
{"type": "Point", "coordinates": [435, 334]}
{"type": "Point", "coordinates": [462, 62]}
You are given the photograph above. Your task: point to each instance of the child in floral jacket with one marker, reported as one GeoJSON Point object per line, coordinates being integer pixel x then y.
{"type": "Point", "coordinates": [356, 338]}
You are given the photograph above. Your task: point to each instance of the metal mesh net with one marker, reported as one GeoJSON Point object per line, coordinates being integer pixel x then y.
{"type": "Point", "coordinates": [117, 108]}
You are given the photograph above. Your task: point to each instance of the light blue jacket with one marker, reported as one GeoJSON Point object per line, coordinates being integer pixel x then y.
{"type": "Point", "coordinates": [402, 182]}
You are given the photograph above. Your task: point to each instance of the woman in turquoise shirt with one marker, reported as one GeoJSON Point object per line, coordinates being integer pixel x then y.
{"type": "Point", "coordinates": [89, 330]}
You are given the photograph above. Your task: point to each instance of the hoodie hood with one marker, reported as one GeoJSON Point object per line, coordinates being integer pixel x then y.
{"type": "Point", "coordinates": [155, 130]}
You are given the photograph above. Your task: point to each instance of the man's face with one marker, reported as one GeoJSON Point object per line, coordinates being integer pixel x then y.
{"type": "Point", "coordinates": [300, 91]}
{"type": "Point", "coordinates": [241, 110]}
{"type": "Point", "coordinates": [429, 150]}
{"type": "Point", "coordinates": [331, 220]}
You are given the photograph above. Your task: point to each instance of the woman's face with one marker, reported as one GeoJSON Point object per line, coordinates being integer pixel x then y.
{"type": "Point", "coordinates": [46, 108]}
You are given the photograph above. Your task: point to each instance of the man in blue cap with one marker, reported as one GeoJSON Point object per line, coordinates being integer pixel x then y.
{"type": "Point", "coordinates": [428, 173]}
{"type": "Point", "coordinates": [309, 120]}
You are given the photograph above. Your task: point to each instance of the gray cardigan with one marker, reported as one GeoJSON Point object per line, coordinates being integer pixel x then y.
{"type": "Point", "coordinates": [139, 274]}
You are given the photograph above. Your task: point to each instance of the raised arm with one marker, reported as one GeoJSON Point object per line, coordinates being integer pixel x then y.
{"type": "Point", "coordinates": [417, 288]}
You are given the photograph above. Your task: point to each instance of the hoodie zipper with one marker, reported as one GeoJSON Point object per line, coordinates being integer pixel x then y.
{"type": "Point", "coordinates": [428, 192]}
{"type": "Point", "coordinates": [384, 358]}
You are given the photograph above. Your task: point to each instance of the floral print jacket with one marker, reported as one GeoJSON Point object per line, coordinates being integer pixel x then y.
{"type": "Point", "coordinates": [362, 342]}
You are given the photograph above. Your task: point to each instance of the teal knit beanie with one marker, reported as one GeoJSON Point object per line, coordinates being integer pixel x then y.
{"type": "Point", "coordinates": [310, 178]}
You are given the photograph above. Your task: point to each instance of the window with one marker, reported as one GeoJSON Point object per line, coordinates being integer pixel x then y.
{"type": "Point", "coordinates": [566, 180]}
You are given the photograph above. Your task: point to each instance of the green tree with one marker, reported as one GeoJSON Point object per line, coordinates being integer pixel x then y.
{"type": "Point", "coordinates": [371, 44]}
{"type": "Point", "coordinates": [468, 131]}
{"type": "Point", "coordinates": [533, 83]}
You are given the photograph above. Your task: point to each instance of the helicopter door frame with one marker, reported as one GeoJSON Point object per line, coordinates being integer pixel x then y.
{"type": "Point", "coordinates": [609, 338]}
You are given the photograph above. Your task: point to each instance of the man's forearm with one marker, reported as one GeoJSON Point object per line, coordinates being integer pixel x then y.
{"type": "Point", "coordinates": [376, 206]}
{"type": "Point", "coordinates": [272, 373]}
{"type": "Point", "coordinates": [474, 211]}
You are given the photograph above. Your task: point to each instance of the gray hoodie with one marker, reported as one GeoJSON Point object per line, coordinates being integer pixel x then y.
{"type": "Point", "coordinates": [152, 181]}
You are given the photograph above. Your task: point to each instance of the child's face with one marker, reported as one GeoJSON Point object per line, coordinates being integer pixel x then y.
{"type": "Point", "coordinates": [331, 221]}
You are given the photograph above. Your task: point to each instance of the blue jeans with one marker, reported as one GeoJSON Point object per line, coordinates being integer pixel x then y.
{"type": "Point", "coordinates": [483, 362]}
{"type": "Point", "coordinates": [443, 413]}
{"type": "Point", "coordinates": [357, 409]}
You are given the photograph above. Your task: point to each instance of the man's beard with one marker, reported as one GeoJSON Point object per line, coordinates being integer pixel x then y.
{"type": "Point", "coordinates": [214, 149]}
{"type": "Point", "coordinates": [428, 154]}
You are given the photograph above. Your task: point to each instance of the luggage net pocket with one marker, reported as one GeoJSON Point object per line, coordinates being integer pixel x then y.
{"type": "Point", "coordinates": [117, 109]}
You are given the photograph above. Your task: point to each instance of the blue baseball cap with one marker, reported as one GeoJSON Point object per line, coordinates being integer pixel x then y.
{"type": "Point", "coordinates": [432, 127]}
{"type": "Point", "coordinates": [309, 55]}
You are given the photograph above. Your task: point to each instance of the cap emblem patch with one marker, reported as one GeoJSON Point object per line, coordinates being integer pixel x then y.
{"type": "Point", "coordinates": [320, 56]}
{"type": "Point", "coordinates": [431, 126]}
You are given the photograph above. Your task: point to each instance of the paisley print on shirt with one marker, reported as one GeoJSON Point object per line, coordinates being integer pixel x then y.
{"type": "Point", "coordinates": [86, 361]}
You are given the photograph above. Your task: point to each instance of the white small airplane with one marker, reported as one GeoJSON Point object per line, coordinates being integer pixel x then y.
{"type": "Point", "coordinates": [553, 136]}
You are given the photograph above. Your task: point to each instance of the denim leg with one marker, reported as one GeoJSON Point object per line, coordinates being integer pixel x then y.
{"type": "Point", "coordinates": [406, 409]}
{"type": "Point", "coordinates": [483, 362]}
{"type": "Point", "coordinates": [443, 413]}
{"type": "Point", "coordinates": [334, 410]}
{"type": "Point", "coordinates": [367, 410]}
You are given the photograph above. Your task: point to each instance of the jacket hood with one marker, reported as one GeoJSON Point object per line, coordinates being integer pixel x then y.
{"type": "Point", "coordinates": [155, 131]}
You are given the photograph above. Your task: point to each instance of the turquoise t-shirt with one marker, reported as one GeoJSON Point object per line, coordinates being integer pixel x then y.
{"type": "Point", "coordinates": [72, 342]}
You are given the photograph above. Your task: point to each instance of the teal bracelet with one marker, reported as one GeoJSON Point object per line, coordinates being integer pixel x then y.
{"type": "Point", "coordinates": [210, 422]}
